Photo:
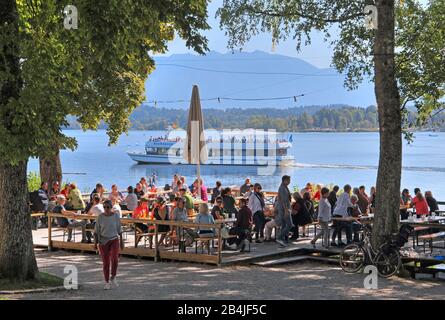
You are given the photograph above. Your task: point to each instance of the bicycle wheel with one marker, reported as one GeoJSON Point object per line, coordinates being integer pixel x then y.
{"type": "Point", "coordinates": [388, 262]}
{"type": "Point", "coordinates": [352, 258]}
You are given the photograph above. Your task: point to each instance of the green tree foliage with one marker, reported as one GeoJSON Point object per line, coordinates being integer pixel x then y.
{"type": "Point", "coordinates": [420, 40]}
{"type": "Point", "coordinates": [94, 73]}
{"type": "Point", "coordinates": [401, 54]}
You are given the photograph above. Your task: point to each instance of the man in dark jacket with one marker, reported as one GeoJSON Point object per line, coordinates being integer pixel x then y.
{"type": "Point", "coordinates": [332, 198]}
{"type": "Point", "coordinates": [243, 226]}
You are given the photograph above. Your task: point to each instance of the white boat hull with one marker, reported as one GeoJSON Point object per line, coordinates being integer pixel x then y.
{"type": "Point", "coordinates": [225, 161]}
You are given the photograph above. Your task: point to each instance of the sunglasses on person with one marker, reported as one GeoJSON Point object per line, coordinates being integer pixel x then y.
{"type": "Point", "coordinates": [108, 207]}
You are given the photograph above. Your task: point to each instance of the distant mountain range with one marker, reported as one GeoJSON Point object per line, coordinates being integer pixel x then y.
{"type": "Point", "coordinates": [255, 75]}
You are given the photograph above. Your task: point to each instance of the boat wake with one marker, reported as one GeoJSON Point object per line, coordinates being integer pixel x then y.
{"type": "Point", "coordinates": [358, 167]}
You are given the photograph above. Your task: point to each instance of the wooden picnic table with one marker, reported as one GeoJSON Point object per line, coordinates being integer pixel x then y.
{"type": "Point", "coordinates": [349, 218]}
{"type": "Point", "coordinates": [432, 222]}
{"type": "Point", "coordinates": [158, 193]}
{"type": "Point", "coordinates": [198, 202]}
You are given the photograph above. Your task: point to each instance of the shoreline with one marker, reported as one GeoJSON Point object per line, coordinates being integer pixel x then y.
{"type": "Point", "coordinates": [305, 131]}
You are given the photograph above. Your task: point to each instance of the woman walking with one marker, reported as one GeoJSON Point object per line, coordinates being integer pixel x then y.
{"type": "Point", "coordinates": [108, 234]}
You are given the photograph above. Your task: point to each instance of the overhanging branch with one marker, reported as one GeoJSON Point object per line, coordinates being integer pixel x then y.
{"type": "Point", "coordinates": [300, 14]}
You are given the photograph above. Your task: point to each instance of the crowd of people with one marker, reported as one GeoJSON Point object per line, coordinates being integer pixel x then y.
{"type": "Point", "coordinates": [245, 217]}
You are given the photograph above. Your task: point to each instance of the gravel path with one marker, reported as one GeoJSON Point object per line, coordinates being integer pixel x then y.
{"type": "Point", "coordinates": [144, 279]}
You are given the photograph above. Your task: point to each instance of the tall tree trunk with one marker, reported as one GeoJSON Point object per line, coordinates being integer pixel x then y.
{"type": "Point", "coordinates": [51, 169]}
{"type": "Point", "coordinates": [390, 121]}
{"type": "Point", "coordinates": [17, 260]}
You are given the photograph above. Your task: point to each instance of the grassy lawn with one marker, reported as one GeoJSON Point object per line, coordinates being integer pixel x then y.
{"type": "Point", "coordinates": [44, 280]}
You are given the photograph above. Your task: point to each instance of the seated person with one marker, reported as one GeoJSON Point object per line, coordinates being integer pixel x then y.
{"type": "Point", "coordinates": [354, 211]}
{"type": "Point", "coordinates": [42, 195]}
{"type": "Point", "coordinates": [405, 201]}
{"type": "Point", "coordinates": [116, 206]}
{"type": "Point", "coordinates": [75, 198]}
{"type": "Point", "coordinates": [242, 227]}
{"type": "Point", "coordinates": [141, 212]}
{"type": "Point", "coordinates": [66, 190]}
{"type": "Point", "coordinates": [421, 205]}
{"type": "Point", "coordinates": [98, 190]}
{"type": "Point", "coordinates": [216, 192]}
{"type": "Point", "coordinates": [245, 187]}
{"type": "Point", "coordinates": [152, 191]}
{"type": "Point", "coordinates": [161, 212]}
{"type": "Point", "coordinates": [270, 224]}
{"type": "Point", "coordinates": [115, 194]}
{"type": "Point", "coordinates": [93, 208]}
{"type": "Point", "coordinates": [96, 207]}
{"type": "Point", "coordinates": [217, 210]}
{"type": "Point", "coordinates": [204, 217]}
{"type": "Point", "coordinates": [228, 201]}
{"type": "Point", "coordinates": [139, 191]}
{"type": "Point", "coordinates": [180, 214]}
{"type": "Point", "coordinates": [432, 202]}
{"type": "Point", "coordinates": [188, 201]}
{"type": "Point", "coordinates": [54, 192]}
{"type": "Point", "coordinates": [131, 200]}
{"type": "Point", "coordinates": [66, 222]}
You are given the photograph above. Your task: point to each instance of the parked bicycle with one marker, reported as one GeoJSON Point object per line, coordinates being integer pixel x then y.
{"type": "Point", "coordinates": [386, 258]}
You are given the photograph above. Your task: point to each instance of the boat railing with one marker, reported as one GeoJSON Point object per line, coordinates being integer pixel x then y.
{"type": "Point", "coordinates": [210, 140]}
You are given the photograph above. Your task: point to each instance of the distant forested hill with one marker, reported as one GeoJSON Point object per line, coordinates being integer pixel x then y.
{"type": "Point", "coordinates": [338, 118]}
{"type": "Point", "coordinates": [309, 118]}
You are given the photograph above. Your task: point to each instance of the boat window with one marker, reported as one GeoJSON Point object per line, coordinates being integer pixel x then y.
{"type": "Point", "coordinates": [282, 152]}
{"type": "Point", "coordinates": [151, 150]}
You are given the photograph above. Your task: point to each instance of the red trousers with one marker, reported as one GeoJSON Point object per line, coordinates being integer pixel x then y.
{"type": "Point", "coordinates": [110, 254]}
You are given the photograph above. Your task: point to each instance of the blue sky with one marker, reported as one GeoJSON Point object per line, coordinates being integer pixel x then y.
{"type": "Point", "coordinates": [318, 53]}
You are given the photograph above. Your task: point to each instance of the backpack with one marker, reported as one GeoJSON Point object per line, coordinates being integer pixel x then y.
{"type": "Point", "coordinates": [403, 236]}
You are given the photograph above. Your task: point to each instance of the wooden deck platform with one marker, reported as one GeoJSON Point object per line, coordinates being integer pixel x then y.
{"type": "Point", "coordinates": [264, 254]}
{"type": "Point", "coordinates": [265, 250]}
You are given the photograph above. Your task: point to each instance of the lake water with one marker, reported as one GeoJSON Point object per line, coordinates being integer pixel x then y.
{"type": "Point", "coordinates": [325, 158]}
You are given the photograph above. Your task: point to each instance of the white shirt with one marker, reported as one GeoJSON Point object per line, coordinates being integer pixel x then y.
{"type": "Point", "coordinates": [342, 205]}
{"type": "Point", "coordinates": [117, 210]}
{"type": "Point", "coordinates": [96, 210]}
{"type": "Point", "coordinates": [254, 203]}
{"type": "Point", "coordinates": [324, 210]}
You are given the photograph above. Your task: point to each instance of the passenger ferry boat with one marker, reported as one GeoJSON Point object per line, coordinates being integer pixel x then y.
{"type": "Point", "coordinates": [247, 151]}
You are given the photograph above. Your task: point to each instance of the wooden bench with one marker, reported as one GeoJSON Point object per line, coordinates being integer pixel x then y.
{"type": "Point", "coordinates": [139, 234]}
{"type": "Point", "coordinates": [430, 238]}
{"type": "Point", "coordinates": [416, 232]}
{"type": "Point", "coordinates": [205, 240]}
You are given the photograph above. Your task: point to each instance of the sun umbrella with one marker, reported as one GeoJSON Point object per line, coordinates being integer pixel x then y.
{"type": "Point", "coordinates": [195, 150]}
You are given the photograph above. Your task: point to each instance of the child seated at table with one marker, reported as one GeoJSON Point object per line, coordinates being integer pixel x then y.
{"type": "Point", "coordinates": [204, 217]}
